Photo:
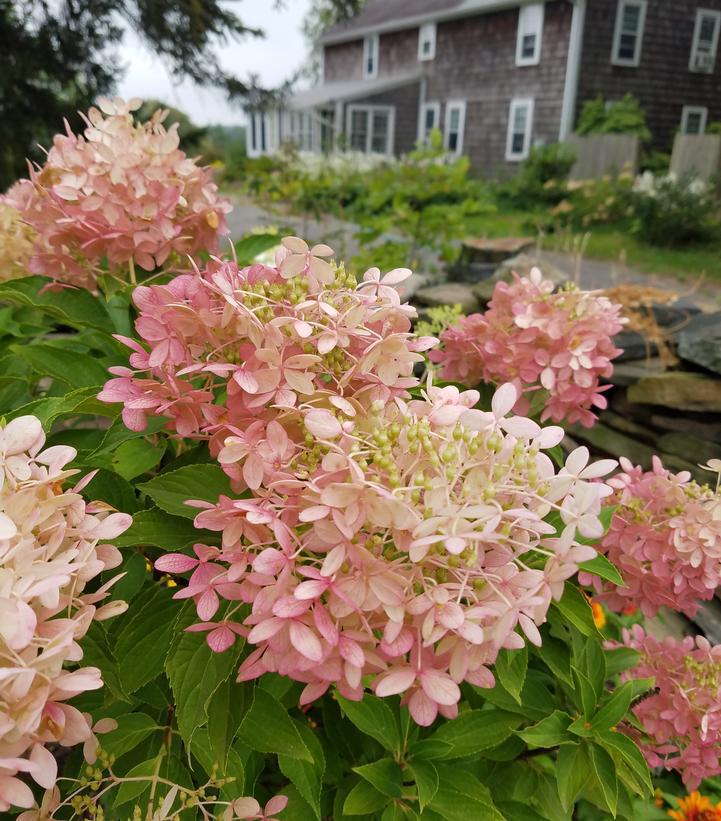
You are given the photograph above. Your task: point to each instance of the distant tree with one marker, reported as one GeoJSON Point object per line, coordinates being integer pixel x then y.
{"type": "Point", "coordinates": [321, 15]}
{"type": "Point", "coordinates": [59, 56]}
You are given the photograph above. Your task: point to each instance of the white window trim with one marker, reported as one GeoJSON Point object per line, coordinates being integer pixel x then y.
{"type": "Point", "coordinates": [436, 108]}
{"type": "Point", "coordinates": [524, 12]}
{"type": "Point", "coordinates": [371, 38]}
{"type": "Point", "coordinates": [700, 14]}
{"type": "Point", "coordinates": [518, 102]}
{"type": "Point", "coordinates": [390, 140]}
{"type": "Point", "coordinates": [461, 106]}
{"type": "Point", "coordinates": [427, 31]}
{"type": "Point", "coordinates": [694, 109]}
{"type": "Point", "coordinates": [636, 60]}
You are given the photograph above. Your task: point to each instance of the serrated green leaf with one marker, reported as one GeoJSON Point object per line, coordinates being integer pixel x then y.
{"type": "Point", "coordinates": [144, 636]}
{"type": "Point", "coordinates": [621, 747]}
{"type": "Point", "coordinates": [574, 607]}
{"type": "Point", "coordinates": [384, 775]}
{"type": "Point", "coordinates": [171, 491]}
{"type": "Point", "coordinates": [604, 772]}
{"type": "Point", "coordinates": [268, 728]}
{"type": "Point", "coordinates": [132, 729]}
{"type": "Point", "coordinates": [429, 749]}
{"type": "Point", "coordinates": [232, 769]}
{"type": "Point", "coordinates": [195, 672]}
{"type": "Point", "coordinates": [81, 401]}
{"type": "Point", "coordinates": [475, 730]}
{"type": "Point", "coordinates": [251, 245]}
{"type": "Point", "coordinates": [426, 777]}
{"type": "Point", "coordinates": [98, 653]}
{"type": "Point", "coordinates": [159, 529]}
{"type": "Point", "coordinates": [556, 656]}
{"type": "Point", "coordinates": [47, 360]}
{"type": "Point", "coordinates": [131, 458]}
{"type": "Point", "coordinates": [72, 306]}
{"type": "Point", "coordinates": [510, 668]}
{"type": "Point", "coordinates": [307, 777]}
{"type": "Point", "coordinates": [620, 659]}
{"type": "Point", "coordinates": [130, 790]}
{"type": "Point", "coordinates": [549, 732]}
{"type": "Point", "coordinates": [375, 718]}
{"type": "Point", "coordinates": [600, 566]}
{"type": "Point", "coordinates": [586, 693]}
{"type": "Point", "coordinates": [363, 799]}
{"type": "Point", "coordinates": [461, 797]}
{"type": "Point", "coordinates": [572, 772]}
{"type": "Point", "coordinates": [614, 709]}
{"type": "Point", "coordinates": [226, 709]}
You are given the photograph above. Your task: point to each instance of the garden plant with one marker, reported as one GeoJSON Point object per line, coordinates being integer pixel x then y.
{"type": "Point", "coordinates": [268, 553]}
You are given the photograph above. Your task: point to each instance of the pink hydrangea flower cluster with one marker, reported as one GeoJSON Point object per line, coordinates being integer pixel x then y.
{"type": "Point", "coordinates": [387, 542]}
{"type": "Point", "coordinates": [51, 545]}
{"type": "Point", "coordinates": [227, 348]}
{"type": "Point", "coordinates": [537, 339]}
{"type": "Point", "coordinates": [17, 239]}
{"type": "Point", "coordinates": [681, 721]}
{"type": "Point", "coordinates": [120, 194]}
{"type": "Point", "coordinates": [665, 539]}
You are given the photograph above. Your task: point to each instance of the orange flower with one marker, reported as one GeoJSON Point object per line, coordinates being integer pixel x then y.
{"type": "Point", "coordinates": [599, 616]}
{"type": "Point", "coordinates": [696, 807]}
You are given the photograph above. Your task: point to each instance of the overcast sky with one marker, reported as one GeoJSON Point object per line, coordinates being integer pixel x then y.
{"type": "Point", "coordinates": [274, 58]}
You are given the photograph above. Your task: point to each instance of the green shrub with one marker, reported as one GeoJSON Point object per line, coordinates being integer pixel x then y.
{"type": "Point", "coordinates": [670, 213]}
{"type": "Point", "coordinates": [624, 116]}
{"type": "Point", "coordinates": [541, 179]}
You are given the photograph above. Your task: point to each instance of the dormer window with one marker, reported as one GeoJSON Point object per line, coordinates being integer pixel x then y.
{"type": "Point", "coordinates": [370, 57]}
{"type": "Point", "coordinates": [530, 31]}
{"type": "Point", "coordinates": [427, 41]}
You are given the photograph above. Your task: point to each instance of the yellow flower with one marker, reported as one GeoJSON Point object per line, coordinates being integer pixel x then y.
{"type": "Point", "coordinates": [696, 807]}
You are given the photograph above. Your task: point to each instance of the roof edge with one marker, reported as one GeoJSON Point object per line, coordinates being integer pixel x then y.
{"type": "Point", "coordinates": [467, 8]}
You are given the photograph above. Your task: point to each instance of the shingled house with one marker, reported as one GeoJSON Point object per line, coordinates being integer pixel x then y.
{"type": "Point", "coordinates": [497, 77]}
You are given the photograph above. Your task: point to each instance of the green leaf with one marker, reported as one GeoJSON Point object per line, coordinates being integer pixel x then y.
{"type": "Point", "coordinates": [195, 673]}
{"type": "Point", "coordinates": [429, 749]}
{"type": "Point", "coordinates": [462, 797]}
{"type": "Point", "coordinates": [574, 607]}
{"type": "Point", "coordinates": [144, 637]}
{"type": "Point", "coordinates": [475, 730]}
{"type": "Point", "coordinates": [363, 799]}
{"type": "Point", "coordinates": [231, 769]}
{"type": "Point", "coordinates": [131, 458]}
{"type": "Point", "coordinates": [604, 772]}
{"type": "Point", "coordinates": [79, 370]}
{"type": "Point", "coordinates": [622, 748]}
{"type": "Point", "coordinates": [384, 775]}
{"type": "Point", "coordinates": [511, 667]}
{"type": "Point", "coordinates": [72, 306]}
{"type": "Point", "coordinates": [572, 771]}
{"type": "Point", "coordinates": [117, 434]}
{"type": "Point", "coordinates": [268, 728]}
{"type": "Point", "coordinates": [248, 247]}
{"type": "Point", "coordinates": [307, 777]}
{"type": "Point", "coordinates": [298, 808]}
{"type": "Point", "coordinates": [614, 709]}
{"type": "Point", "coordinates": [600, 566]}
{"type": "Point", "coordinates": [113, 489]}
{"type": "Point", "coordinates": [130, 790]}
{"type": "Point", "coordinates": [160, 529]}
{"type": "Point", "coordinates": [171, 491]}
{"type": "Point", "coordinates": [594, 665]}
{"type": "Point", "coordinates": [136, 575]}
{"type": "Point", "coordinates": [556, 656]}
{"type": "Point", "coordinates": [586, 693]}
{"type": "Point", "coordinates": [519, 812]}
{"type": "Point", "coordinates": [226, 709]}
{"type": "Point", "coordinates": [79, 401]}
{"type": "Point", "coordinates": [375, 718]}
{"type": "Point", "coordinates": [97, 653]}
{"type": "Point", "coordinates": [549, 732]}
{"type": "Point", "coordinates": [426, 777]}
{"type": "Point", "coordinates": [132, 729]}
{"type": "Point", "coordinates": [620, 659]}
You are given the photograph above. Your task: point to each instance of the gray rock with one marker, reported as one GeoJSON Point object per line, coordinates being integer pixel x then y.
{"type": "Point", "coordinates": [678, 390]}
{"type": "Point", "coordinates": [702, 428]}
{"type": "Point", "coordinates": [494, 250]}
{"type": "Point", "coordinates": [676, 315]}
{"type": "Point", "coordinates": [450, 293]}
{"type": "Point", "coordinates": [690, 448]}
{"type": "Point", "coordinates": [628, 373]}
{"type": "Point", "coordinates": [700, 342]}
{"type": "Point", "coordinates": [634, 346]}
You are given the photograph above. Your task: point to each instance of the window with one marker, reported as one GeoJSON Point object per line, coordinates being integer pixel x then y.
{"type": "Point", "coordinates": [693, 119]}
{"type": "Point", "coordinates": [256, 133]}
{"type": "Point", "coordinates": [520, 128]}
{"type": "Point", "coordinates": [370, 57]}
{"type": "Point", "coordinates": [370, 128]}
{"type": "Point", "coordinates": [705, 41]}
{"type": "Point", "coordinates": [530, 30]}
{"type": "Point", "coordinates": [430, 118]}
{"type": "Point", "coordinates": [301, 130]}
{"type": "Point", "coordinates": [427, 41]}
{"type": "Point", "coordinates": [627, 38]}
{"type": "Point", "coordinates": [455, 123]}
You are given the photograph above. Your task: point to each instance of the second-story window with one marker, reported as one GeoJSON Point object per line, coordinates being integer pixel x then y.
{"type": "Point", "coordinates": [370, 57]}
{"type": "Point", "coordinates": [628, 35]}
{"type": "Point", "coordinates": [530, 31]}
{"type": "Point", "coordinates": [427, 41]}
{"type": "Point", "coordinates": [705, 41]}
